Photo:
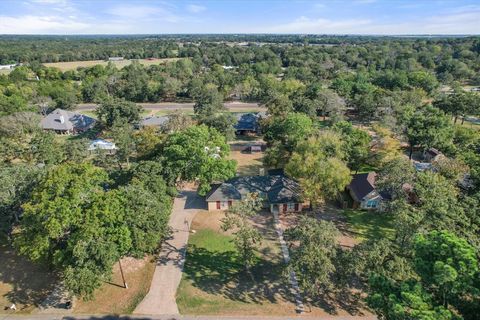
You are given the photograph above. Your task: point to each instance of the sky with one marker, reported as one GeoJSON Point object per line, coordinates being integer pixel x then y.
{"type": "Point", "coordinates": [381, 17]}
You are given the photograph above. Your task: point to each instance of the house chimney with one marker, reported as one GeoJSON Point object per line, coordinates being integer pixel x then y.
{"type": "Point", "coordinates": [62, 119]}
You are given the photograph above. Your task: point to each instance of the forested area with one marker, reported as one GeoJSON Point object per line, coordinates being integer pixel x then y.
{"type": "Point", "coordinates": [360, 102]}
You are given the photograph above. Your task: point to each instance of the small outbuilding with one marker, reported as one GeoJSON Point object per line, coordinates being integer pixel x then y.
{"type": "Point", "coordinates": [100, 144]}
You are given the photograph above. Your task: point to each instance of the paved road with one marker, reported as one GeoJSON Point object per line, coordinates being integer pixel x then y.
{"type": "Point", "coordinates": [232, 106]}
{"type": "Point", "coordinates": [175, 317]}
{"type": "Point", "coordinates": [160, 300]}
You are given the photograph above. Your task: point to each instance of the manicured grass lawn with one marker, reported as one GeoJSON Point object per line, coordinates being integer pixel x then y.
{"type": "Point", "coordinates": [214, 280]}
{"type": "Point", "coordinates": [369, 224]}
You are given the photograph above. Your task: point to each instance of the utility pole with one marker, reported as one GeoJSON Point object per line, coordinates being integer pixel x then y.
{"type": "Point", "coordinates": [123, 277]}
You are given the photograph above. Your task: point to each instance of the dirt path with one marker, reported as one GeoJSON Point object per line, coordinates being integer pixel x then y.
{"type": "Point", "coordinates": [160, 300]}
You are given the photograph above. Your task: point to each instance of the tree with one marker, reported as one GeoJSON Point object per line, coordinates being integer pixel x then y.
{"type": "Point", "coordinates": [329, 103]}
{"type": "Point", "coordinates": [177, 121]}
{"type": "Point", "coordinates": [314, 248]}
{"type": "Point", "coordinates": [356, 143]}
{"type": "Point", "coordinates": [447, 266]}
{"type": "Point", "coordinates": [245, 236]}
{"type": "Point", "coordinates": [429, 127]}
{"type": "Point", "coordinates": [122, 134]}
{"type": "Point", "coordinates": [198, 153]}
{"type": "Point", "coordinates": [317, 165]}
{"type": "Point", "coordinates": [16, 184]}
{"type": "Point", "coordinates": [118, 111]}
{"type": "Point", "coordinates": [385, 147]}
{"type": "Point", "coordinates": [284, 134]}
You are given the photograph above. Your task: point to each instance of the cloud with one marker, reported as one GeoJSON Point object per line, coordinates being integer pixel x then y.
{"type": "Point", "coordinates": [30, 24]}
{"type": "Point", "coordinates": [48, 2]}
{"type": "Point", "coordinates": [193, 8]}
{"type": "Point", "coordinates": [320, 25]}
{"type": "Point", "coordinates": [131, 12]}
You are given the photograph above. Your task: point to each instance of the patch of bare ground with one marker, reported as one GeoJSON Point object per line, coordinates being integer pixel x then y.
{"type": "Point", "coordinates": [112, 297]}
{"type": "Point", "coordinates": [22, 282]}
{"type": "Point", "coordinates": [247, 163]}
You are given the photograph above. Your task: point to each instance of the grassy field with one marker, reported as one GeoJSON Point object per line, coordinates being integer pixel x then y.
{"type": "Point", "coordinates": [73, 65]}
{"type": "Point", "coordinates": [214, 281]}
{"type": "Point", "coordinates": [22, 282]}
{"type": "Point", "coordinates": [112, 298]}
{"type": "Point", "coordinates": [369, 224]}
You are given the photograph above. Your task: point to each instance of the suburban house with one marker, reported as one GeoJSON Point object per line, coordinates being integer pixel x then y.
{"type": "Point", "coordinates": [280, 193]}
{"type": "Point", "coordinates": [154, 121]}
{"type": "Point", "coordinates": [362, 190]}
{"type": "Point", "coordinates": [100, 144]}
{"type": "Point", "coordinates": [66, 122]}
{"type": "Point", "coordinates": [248, 124]}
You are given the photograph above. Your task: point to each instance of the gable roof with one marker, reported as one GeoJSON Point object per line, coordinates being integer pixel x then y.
{"type": "Point", "coordinates": [276, 189]}
{"type": "Point", "coordinates": [63, 120]}
{"type": "Point", "coordinates": [362, 184]}
{"type": "Point", "coordinates": [247, 121]}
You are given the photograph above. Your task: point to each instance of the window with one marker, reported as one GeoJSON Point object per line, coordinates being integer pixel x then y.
{"type": "Point", "coordinates": [291, 206]}
{"type": "Point", "coordinates": [372, 203]}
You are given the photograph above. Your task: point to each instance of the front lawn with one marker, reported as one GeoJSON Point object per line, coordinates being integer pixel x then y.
{"type": "Point", "coordinates": [214, 280]}
{"type": "Point", "coordinates": [369, 224]}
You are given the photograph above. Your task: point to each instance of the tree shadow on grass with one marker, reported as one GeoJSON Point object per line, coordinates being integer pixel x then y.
{"type": "Point", "coordinates": [222, 273]}
{"type": "Point", "coordinates": [31, 283]}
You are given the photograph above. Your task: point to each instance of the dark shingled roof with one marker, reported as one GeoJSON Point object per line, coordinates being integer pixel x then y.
{"type": "Point", "coordinates": [63, 120]}
{"type": "Point", "coordinates": [247, 121]}
{"type": "Point", "coordinates": [362, 184]}
{"type": "Point", "coordinates": [276, 188]}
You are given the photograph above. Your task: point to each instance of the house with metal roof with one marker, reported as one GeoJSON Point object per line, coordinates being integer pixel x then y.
{"type": "Point", "coordinates": [100, 144]}
{"type": "Point", "coordinates": [364, 193]}
{"type": "Point", "coordinates": [67, 122]}
{"type": "Point", "coordinates": [280, 193]}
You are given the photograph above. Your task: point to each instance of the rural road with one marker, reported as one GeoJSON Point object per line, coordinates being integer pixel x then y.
{"type": "Point", "coordinates": [160, 300]}
{"type": "Point", "coordinates": [176, 317]}
{"type": "Point", "coordinates": [232, 106]}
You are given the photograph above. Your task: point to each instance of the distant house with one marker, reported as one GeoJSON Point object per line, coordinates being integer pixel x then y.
{"type": "Point", "coordinates": [280, 193]}
{"type": "Point", "coordinates": [154, 121]}
{"type": "Point", "coordinates": [432, 154]}
{"type": "Point", "coordinates": [115, 58]}
{"type": "Point", "coordinates": [67, 122]}
{"type": "Point", "coordinates": [100, 144]}
{"type": "Point", "coordinates": [247, 124]}
{"type": "Point", "coordinates": [7, 66]}
{"type": "Point", "coordinates": [362, 190]}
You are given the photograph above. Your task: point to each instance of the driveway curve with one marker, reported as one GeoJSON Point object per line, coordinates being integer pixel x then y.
{"type": "Point", "coordinates": [160, 299]}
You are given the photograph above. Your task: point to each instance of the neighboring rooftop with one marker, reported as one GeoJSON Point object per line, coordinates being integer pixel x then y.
{"type": "Point", "coordinates": [362, 184]}
{"type": "Point", "coordinates": [101, 144]}
{"type": "Point", "coordinates": [276, 189]}
{"type": "Point", "coordinates": [247, 122]}
{"type": "Point", "coordinates": [63, 120]}
{"type": "Point", "coordinates": [154, 121]}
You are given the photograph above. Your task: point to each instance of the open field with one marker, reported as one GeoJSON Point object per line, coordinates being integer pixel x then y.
{"type": "Point", "coordinates": [22, 282]}
{"type": "Point", "coordinates": [112, 298]}
{"type": "Point", "coordinates": [73, 65]}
